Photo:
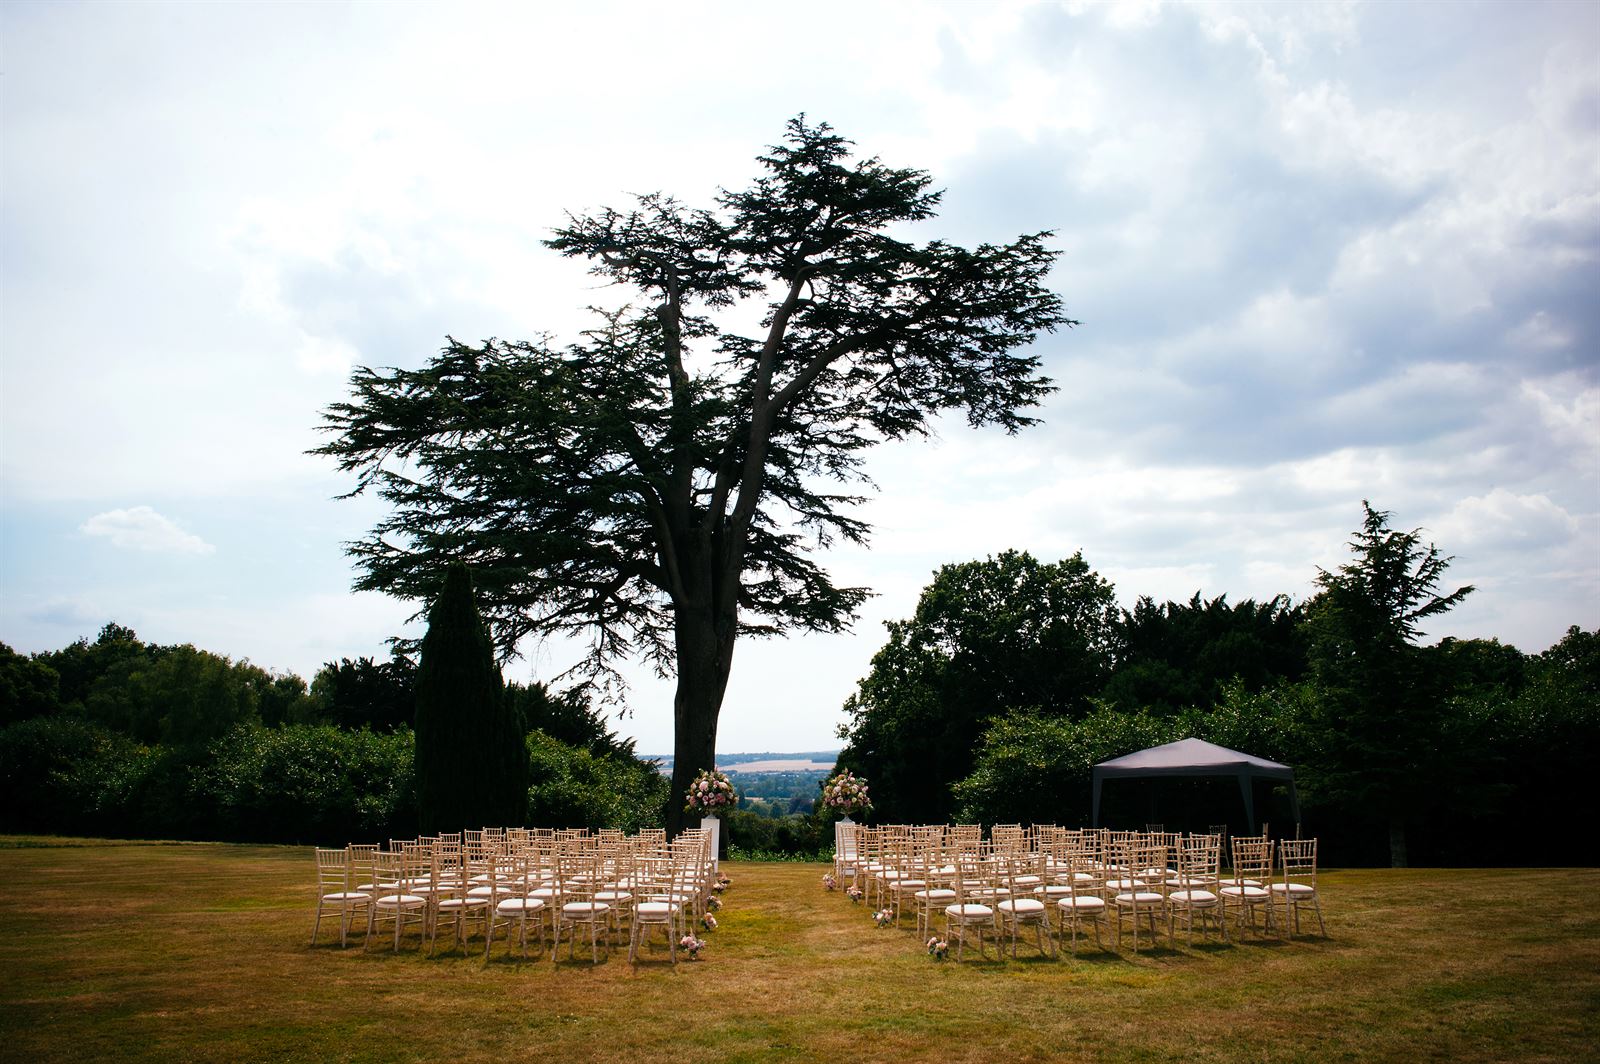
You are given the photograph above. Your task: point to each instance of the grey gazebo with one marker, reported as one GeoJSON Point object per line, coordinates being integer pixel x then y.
{"type": "Point", "coordinates": [1196, 757]}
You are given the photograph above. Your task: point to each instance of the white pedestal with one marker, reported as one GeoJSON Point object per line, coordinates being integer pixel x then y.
{"type": "Point", "coordinates": [714, 825]}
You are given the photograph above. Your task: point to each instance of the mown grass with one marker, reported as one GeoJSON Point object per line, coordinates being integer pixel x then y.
{"type": "Point", "coordinates": [198, 952]}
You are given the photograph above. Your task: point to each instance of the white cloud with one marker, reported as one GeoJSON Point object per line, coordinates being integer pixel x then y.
{"type": "Point", "coordinates": [141, 528]}
{"type": "Point", "coordinates": [1322, 254]}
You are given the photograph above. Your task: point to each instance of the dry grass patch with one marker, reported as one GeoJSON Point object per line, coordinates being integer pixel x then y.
{"type": "Point", "coordinates": [198, 952]}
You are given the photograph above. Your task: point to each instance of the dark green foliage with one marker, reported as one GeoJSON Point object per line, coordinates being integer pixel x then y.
{"type": "Point", "coordinates": [1523, 749]}
{"type": "Point", "coordinates": [181, 696]}
{"type": "Point", "coordinates": [1383, 696]}
{"type": "Point", "coordinates": [1039, 769]}
{"type": "Point", "coordinates": [471, 765]}
{"type": "Point", "coordinates": [364, 693]}
{"type": "Point", "coordinates": [566, 715]}
{"type": "Point", "coordinates": [1035, 768]}
{"type": "Point", "coordinates": [750, 832]}
{"type": "Point", "coordinates": [82, 664]}
{"type": "Point", "coordinates": [29, 687]}
{"type": "Point", "coordinates": [987, 637]}
{"type": "Point", "coordinates": [1178, 655]}
{"type": "Point", "coordinates": [660, 486]}
{"type": "Point", "coordinates": [64, 775]}
{"type": "Point", "coordinates": [574, 786]}
{"type": "Point", "coordinates": [308, 784]}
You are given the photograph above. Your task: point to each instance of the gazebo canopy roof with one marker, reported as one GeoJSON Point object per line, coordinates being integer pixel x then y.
{"type": "Point", "coordinates": [1191, 757]}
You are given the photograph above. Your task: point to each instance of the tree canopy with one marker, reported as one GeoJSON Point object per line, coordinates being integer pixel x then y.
{"type": "Point", "coordinates": [1382, 693]}
{"type": "Point", "coordinates": [660, 484]}
{"type": "Point", "coordinates": [1008, 632]}
{"type": "Point", "coordinates": [471, 764]}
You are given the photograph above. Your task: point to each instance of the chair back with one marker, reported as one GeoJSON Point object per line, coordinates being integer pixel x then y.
{"type": "Point", "coordinates": [1298, 862]}
{"type": "Point", "coordinates": [333, 871]}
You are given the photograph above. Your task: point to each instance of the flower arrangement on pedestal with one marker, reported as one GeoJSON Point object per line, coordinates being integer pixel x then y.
{"type": "Point", "coordinates": [710, 793]}
{"type": "Point", "coordinates": [846, 794]}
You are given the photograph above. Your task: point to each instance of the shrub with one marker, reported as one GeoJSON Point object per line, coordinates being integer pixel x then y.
{"type": "Point", "coordinates": [63, 774]}
{"type": "Point", "coordinates": [308, 783]}
{"type": "Point", "coordinates": [574, 787]}
{"type": "Point", "coordinates": [792, 837]}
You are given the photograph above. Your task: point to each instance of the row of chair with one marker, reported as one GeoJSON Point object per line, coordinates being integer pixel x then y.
{"type": "Point", "coordinates": [538, 885]}
{"type": "Point", "coordinates": [1057, 883]}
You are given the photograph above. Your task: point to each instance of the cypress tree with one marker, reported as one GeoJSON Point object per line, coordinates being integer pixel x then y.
{"type": "Point", "coordinates": [472, 760]}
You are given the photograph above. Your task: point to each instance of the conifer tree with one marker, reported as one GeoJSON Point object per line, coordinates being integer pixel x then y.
{"type": "Point", "coordinates": [472, 761]}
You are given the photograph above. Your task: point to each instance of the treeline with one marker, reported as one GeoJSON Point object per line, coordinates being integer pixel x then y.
{"type": "Point", "coordinates": [122, 738]}
{"type": "Point", "coordinates": [1014, 677]}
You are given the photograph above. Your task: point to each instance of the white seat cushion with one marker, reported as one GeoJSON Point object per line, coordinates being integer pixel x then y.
{"type": "Point", "coordinates": [937, 894]}
{"type": "Point", "coordinates": [397, 901]}
{"type": "Point", "coordinates": [1301, 890]}
{"type": "Point", "coordinates": [1082, 902]}
{"type": "Point", "coordinates": [1022, 906]}
{"type": "Point", "coordinates": [585, 908]}
{"type": "Point", "coordinates": [1244, 892]}
{"type": "Point", "coordinates": [655, 908]}
{"type": "Point", "coordinates": [1139, 897]}
{"type": "Point", "coordinates": [346, 896]}
{"type": "Point", "coordinates": [968, 911]}
{"type": "Point", "coordinates": [1193, 897]}
{"type": "Point", "coordinates": [517, 905]}
{"type": "Point", "coordinates": [462, 903]}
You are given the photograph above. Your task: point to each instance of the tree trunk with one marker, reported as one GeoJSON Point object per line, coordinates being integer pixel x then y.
{"type": "Point", "coordinates": [1397, 843]}
{"type": "Point", "coordinates": [705, 658]}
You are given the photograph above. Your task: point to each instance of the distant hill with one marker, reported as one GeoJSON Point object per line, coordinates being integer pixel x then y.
{"type": "Point", "coordinates": [764, 761]}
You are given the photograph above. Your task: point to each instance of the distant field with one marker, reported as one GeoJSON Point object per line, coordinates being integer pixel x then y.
{"type": "Point", "coordinates": [198, 953]}
{"type": "Point", "coordinates": [779, 766]}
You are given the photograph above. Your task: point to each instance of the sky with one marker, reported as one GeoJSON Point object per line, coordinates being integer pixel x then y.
{"type": "Point", "coordinates": [1320, 254]}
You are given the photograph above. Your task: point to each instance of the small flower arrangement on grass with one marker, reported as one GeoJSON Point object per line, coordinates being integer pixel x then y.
{"type": "Point", "coordinates": [854, 894]}
{"type": "Point", "coordinates": [722, 884]}
{"type": "Point", "coordinates": [693, 945]}
{"type": "Point", "coordinates": [714, 903]}
{"type": "Point", "coordinates": [938, 948]}
{"type": "Point", "coordinates": [828, 882]}
{"type": "Point", "coordinates": [709, 922]}
{"type": "Point", "coordinates": [846, 794]}
{"type": "Point", "coordinates": [710, 793]}
{"type": "Point", "coordinates": [883, 917]}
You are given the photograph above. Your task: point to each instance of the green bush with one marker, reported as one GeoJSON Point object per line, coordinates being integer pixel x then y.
{"type": "Point", "coordinates": [65, 775]}
{"type": "Point", "coordinates": [307, 783]}
{"type": "Point", "coordinates": [1037, 769]}
{"type": "Point", "coordinates": [574, 787]}
{"type": "Point", "coordinates": [792, 837]}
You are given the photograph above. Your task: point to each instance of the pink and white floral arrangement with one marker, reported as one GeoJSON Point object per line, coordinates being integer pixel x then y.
{"type": "Point", "coordinates": [710, 793]}
{"type": "Point", "coordinates": [846, 794]}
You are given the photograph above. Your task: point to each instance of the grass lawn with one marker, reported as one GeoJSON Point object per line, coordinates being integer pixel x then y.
{"type": "Point", "coordinates": [198, 952]}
